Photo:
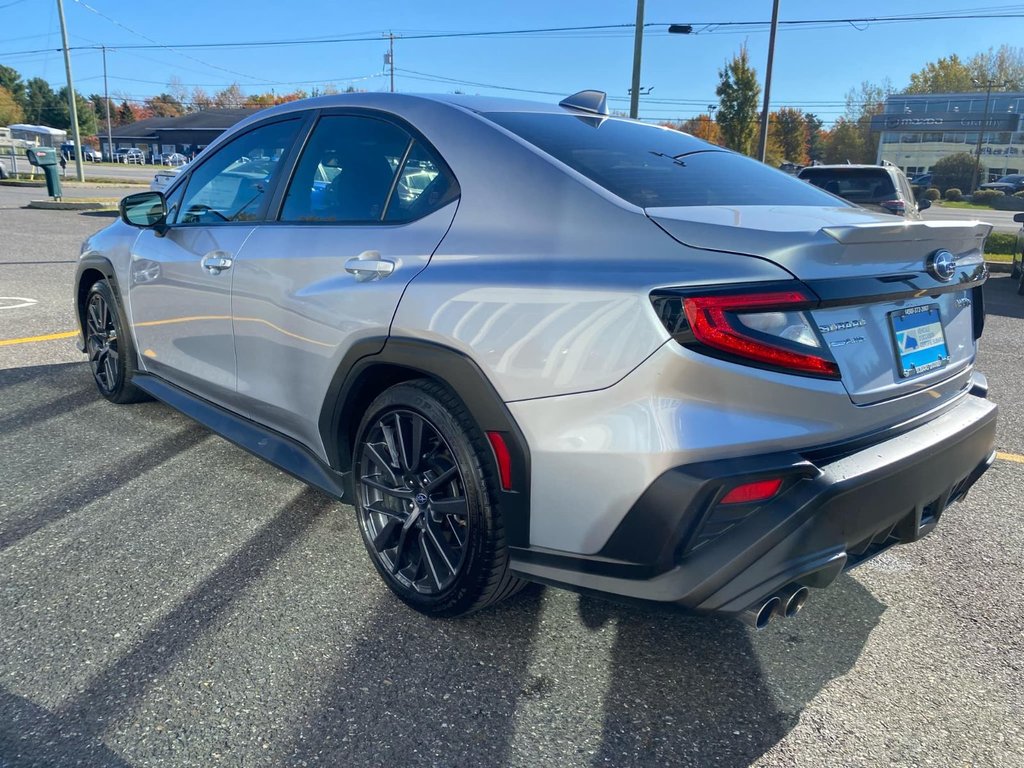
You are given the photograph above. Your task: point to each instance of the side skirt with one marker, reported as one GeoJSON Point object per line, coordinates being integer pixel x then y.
{"type": "Point", "coordinates": [283, 452]}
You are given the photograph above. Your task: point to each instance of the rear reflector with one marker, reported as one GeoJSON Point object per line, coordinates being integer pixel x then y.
{"type": "Point", "coordinates": [747, 493]}
{"type": "Point", "coordinates": [503, 458]}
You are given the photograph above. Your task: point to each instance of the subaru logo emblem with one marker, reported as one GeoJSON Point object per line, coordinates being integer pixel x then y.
{"type": "Point", "coordinates": [942, 265]}
{"type": "Point", "coordinates": [421, 499]}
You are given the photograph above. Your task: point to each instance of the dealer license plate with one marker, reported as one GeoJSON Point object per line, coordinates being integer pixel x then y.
{"type": "Point", "coordinates": [919, 339]}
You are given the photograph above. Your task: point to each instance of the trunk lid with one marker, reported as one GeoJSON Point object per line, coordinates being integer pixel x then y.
{"type": "Point", "coordinates": [869, 269]}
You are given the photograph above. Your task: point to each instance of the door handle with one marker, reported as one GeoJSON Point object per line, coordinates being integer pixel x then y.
{"type": "Point", "coordinates": [369, 266]}
{"type": "Point", "coordinates": [216, 262]}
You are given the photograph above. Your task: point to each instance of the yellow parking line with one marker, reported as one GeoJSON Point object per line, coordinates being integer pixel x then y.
{"type": "Point", "coordinates": [1010, 457]}
{"type": "Point", "coordinates": [30, 339]}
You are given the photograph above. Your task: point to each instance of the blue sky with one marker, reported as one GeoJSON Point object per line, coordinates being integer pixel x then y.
{"type": "Point", "coordinates": [814, 66]}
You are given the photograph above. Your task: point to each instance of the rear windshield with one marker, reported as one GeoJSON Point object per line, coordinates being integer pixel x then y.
{"type": "Point", "coordinates": [656, 167]}
{"type": "Point", "coordinates": [858, 185]}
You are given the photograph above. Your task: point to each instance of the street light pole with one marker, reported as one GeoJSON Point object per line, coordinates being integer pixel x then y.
{"type": "Point", "coordinates": [762, 142]}
{"type": "Point", "coordinates": [72, 106]}
{"type": "Point", "coordinates": [988, 85]}
{"type": "Point", "coordinates": [638, 42]}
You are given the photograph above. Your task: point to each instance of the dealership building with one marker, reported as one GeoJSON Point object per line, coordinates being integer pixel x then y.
{"type": "Point", "coordinates": [918, 130]}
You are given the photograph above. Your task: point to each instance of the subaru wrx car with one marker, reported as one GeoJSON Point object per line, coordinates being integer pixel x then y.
{"type": "Point", "coordinates": [536, 342]}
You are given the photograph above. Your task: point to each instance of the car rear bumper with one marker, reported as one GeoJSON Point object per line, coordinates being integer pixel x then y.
{"type": "Point", "coordinates": [836, 509]}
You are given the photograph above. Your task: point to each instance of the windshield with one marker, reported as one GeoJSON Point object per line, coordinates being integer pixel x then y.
{"type": "Point", "coordinates": [655, 167]}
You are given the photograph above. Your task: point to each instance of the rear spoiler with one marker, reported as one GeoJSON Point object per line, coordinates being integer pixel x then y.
{"type": "Point", "coordinates": [884, 232]}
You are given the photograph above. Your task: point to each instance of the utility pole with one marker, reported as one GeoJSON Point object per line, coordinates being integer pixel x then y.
{"type": "Point", "coordinates": [72, 106]}
{"type": "Point", "coordinates": [638, 43]}
{"type": "Point", "coordinates": [106, 100]}
{"type": "Point", "coordinates": [390, 58]}
{"type": "Point", "coordinates": [988, 85]}
{"type": "Point", "coordinates": [762, 143]}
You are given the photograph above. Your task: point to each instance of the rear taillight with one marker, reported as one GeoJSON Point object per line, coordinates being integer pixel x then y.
{"type": "Point", "coordinates": [895, 206]}
{"type": "Point", "coordinates": [770, 328]}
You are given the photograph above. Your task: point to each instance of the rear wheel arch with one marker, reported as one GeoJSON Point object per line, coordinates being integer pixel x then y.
{"type": "Point", "coordinates": [373, 366]}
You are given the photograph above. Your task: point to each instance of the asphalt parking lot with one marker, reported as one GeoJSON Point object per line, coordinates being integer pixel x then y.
{"type": "Point", "coordinates": [168, 600]}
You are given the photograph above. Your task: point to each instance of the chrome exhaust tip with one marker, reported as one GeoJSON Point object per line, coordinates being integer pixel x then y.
{"type": "Point", "coordinates": [792, 600]}
{"type": "Point", "coordinates": [760, 615]}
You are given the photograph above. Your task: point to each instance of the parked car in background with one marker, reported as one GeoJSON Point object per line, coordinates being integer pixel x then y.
{"type": "Point", "coordinates": [882, 188]}
{"type": "Point", "coordinates": [922, 180]}
{"type": "Point", "coordinates": [132, 155]}
{"type": "Point", "coordinates": [538, 342]}
{"type": "Point", "coordinates": [89, 153]}
{"type": "Point", "coordinates": [173, 159]}
{"type": "Point", "coordinates": [1008, 185]}
{"type": "Point", "coordinates": [162, 179]}
{"type": "Point", "coordinates": [1017, 268]}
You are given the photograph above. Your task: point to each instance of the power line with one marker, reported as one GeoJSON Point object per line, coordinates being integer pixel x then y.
{"type": "Point", "coordinates": [623, 28]}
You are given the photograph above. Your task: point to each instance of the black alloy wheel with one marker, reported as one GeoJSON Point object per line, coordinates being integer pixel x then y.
{"type": "Point", "coordinates": [110, 349]}
{"type": "Point", "coordinates": [101, 344]}
{"type": "Point", "coordinates": [426, 501]}
{"type": "Point", "coordinates": [413, 503]}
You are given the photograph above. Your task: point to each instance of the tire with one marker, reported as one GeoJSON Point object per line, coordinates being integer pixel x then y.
{"type": "Point", "coordinates": [426, 505]}
{"type": "Point", "coordinates": [1020, 281]}
{"type": "Point", "coordinates": [109, 346]}
{"type": "Point", "coordinates": [1014, 269]}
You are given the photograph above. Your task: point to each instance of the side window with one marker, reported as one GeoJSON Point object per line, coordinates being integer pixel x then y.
{"type": "Point", "coordinates": [424, 185]}
{"type": "Point", "coordinates": [232, 184]}
{"type": "Point", "coordinates": [346, 171]}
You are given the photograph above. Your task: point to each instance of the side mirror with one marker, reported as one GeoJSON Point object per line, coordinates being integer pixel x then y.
{"type": "Point", "coordinates": [924, 205]}
{"type": "Point", "coordinates": [1019, 218]}
{"type": "Point", "coordinates": [147, 210]}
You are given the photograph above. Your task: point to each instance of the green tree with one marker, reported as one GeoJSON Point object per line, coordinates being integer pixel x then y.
{"type": "Point", "coordinates": [42, 105]}
{"type": "Point", "coordinates": [790, 130]}
{"type": "Point", "coordinates": [815, 137]}
{"type": "Point", "coordinates": [125, 114]}
{"type": "Point", "coordinates": [943, 76]}
{"type": "Point", "coordinates": [954, 171]}
{"type": "Point", "coordinates": [862, 104]}
{"type": "Point", "coordinates": [165, 105]}
{"type": "Point", "coordinates": [738, 91]}
{"type": "Point", "coordinates": [10, 110]}
{"type": "Point", "coordinates": [10, 80]}
{"type": "Point", "coordinates": [87, 123]}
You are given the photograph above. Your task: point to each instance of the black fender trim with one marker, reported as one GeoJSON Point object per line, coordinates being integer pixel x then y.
{"type": "Point", "coordinates": [283, 452]}
{"type": "Point", "coordinates": [102, 265]}
{"type": "Point", "coordinates": [340, 416]}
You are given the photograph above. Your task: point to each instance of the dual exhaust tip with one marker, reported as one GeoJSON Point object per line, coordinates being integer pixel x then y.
{"type": "Point", "coordinates": [787, 602]}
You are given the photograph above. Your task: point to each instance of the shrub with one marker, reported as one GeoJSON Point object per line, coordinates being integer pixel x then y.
{"type": "Point", "coordinates": [1019, 194]}
{"type": "Point", "coordinates": [1001, 242]}
{"type": "Point", "coordinates": [1008, 203]}
{"type": "Point", "coordinates": [932, 194]}
{"type": "Point", "coordinates": [985, 196]}
{"type": "Point", "coordinates": [953, 171]}
{"type": "Point", "coordinates": [953, 194]}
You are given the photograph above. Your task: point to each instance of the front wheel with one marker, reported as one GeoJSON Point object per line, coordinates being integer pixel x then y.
{"type": "Point", "coordinates": [1020, 280]}
{"type": "Point", "coordinates": [425, 503]}
{"type": "Point", "coordinates": [109, 346]}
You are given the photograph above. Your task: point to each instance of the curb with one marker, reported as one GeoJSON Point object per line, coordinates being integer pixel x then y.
{"type": "Point", "coordinates": [999, 266]}
{"type": "Point", "coordinates": [71, 205]}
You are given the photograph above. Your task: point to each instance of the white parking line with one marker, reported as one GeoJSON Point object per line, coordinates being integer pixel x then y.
{"type": "Point", "coordinates": [15, 302]}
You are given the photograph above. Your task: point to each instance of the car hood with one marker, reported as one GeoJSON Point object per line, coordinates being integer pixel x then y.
{"type": "Point", "coordinates": [816, 243]}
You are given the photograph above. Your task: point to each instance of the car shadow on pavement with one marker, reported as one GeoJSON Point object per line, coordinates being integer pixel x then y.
{"type": "Point", "coordinates": [1001, 297]}
{"type": "Point", "coordinates": [82, 721]}
{"type": "Point", "coordinates": [426, 692]}
{"type": "Point", "coordinates": [699, 690]}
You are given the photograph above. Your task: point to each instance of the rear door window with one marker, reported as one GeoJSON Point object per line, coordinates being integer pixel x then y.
{"type": "Point", "coordinates": [655, 167]}
{"type": "Point", "coordinates": [347, 171]}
